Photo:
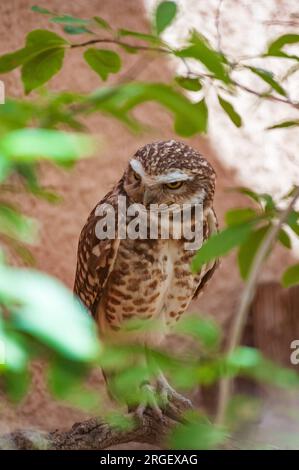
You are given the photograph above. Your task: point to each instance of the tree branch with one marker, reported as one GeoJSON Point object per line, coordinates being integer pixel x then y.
{"type": "Point", "coordinates": [91, 435]}
{"type": "Point", "coordinates": [164, 50]}
{"type": "Point", "coordinates": [261, 95]}
{"type": "Point", "coordinates": [246, 299]}
{"type": "Point", "coordinates": [121, 43]}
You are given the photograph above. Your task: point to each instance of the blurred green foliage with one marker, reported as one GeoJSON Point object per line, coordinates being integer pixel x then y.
{"type": "Point", "coordinates": [246, 228]}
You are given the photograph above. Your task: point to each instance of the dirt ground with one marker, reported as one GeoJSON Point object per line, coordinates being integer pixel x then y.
{"type": "Point", "coordinates": [84, 186]}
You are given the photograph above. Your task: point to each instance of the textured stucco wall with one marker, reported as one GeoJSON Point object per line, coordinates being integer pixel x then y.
{"type": "Point", "coordinates": [268, 161]}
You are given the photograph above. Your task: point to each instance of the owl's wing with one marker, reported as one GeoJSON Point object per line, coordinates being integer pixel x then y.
{"type": "Point", "coordinates": [95, 260]}
{"type": "Point", "coordinates": [209, 269]}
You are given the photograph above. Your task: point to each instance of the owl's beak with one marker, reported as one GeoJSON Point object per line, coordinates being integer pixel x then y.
{"type": "Point", "coordinates": [148, 197]}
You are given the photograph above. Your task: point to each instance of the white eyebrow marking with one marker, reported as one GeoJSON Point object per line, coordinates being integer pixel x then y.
{"type": "Point", "coordinates": [137, 167]}
{"type": "Point", "coordinates": [173, 176]}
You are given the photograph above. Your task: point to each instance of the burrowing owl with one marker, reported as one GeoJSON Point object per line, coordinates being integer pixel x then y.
{"type": "Point", "coordinates": [120, 279]}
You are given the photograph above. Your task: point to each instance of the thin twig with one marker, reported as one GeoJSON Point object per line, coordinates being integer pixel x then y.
{"type": "Point", "coordinates": [122, 44]}
{"type": "Point", "coordinates": [281, 23]}
{"type": "Point", "coordinates": [268, 97]}
{"type": "Point", "coordinates": [164, 50]}
{"type": "Point", "coordinates": [218, 25]}
{"type": "Point", "coordinates": [246, 299]}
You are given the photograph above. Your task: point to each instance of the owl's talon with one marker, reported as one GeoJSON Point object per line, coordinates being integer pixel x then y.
{"type": "Point", "coordinates": [171, 399]}
{"type": "Point", "coordinates": [139, 412]}
{"type": "Point", "coordinates": [149, 403]}
{"type": "Point", "coordinates": [162, 401]}
{"type": "Point", "coordinates": [174, 413]}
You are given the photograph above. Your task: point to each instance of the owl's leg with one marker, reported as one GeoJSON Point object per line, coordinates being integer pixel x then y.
{"type": "Point", "coordinates": [161, 399]}
{"type": "Point", "coordinates": [159, 396]}
{"type": "Point", "coordinates": [149, 400]}
{"type": "Point", "coordinates": [173, 402]}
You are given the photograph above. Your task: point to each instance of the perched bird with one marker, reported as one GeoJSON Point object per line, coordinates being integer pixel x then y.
{"type": "Point", "coordinates": [123, 279]}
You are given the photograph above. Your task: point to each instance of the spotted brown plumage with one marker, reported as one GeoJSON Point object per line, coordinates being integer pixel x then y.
{"type": "Point", "coordinates": [147, 279]}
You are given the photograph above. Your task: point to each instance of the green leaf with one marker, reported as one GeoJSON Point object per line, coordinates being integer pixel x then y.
{"type": "Point", "coordinates": [37, 42]}
{"type": "Point", "coordinates": [13, 60]}
{"type": "Point", "coordinates": [247, 192]}
{"type": "Point", "coordinates": [17, 226]}
{"type": "Point", "coordinates": [42, 39]}
{"type": "Point", "coordinates": [202, 109]}
{"type": "Point", "coordinates": [244, 357]}
{"type": "Point", "coordinates": [46, 310]}
{"type": "Point", "coordinates": [23, 252]}
{"type": "Point", "coordinates": [118, 420]}
{"type": "Point", "coordinates": [198, 433]}
{"type": "Point", "coordinates": [186, 128]}
{"type": "Point", "coordinates": [268, 77]}
{"type": "Point", "coordinates": [101, 22]}
{"type": "Point", "coordinates": [69, 29]}
{"type": "Point", "coordinates": [65, 381]}
{"type": "Point", "coordinates": [275, 48]}
{"type": "Point", "coordinates": [264, 200]}
{"type": "Point", "coordinates": [230, 111]}
{"type": "Point", "coordinates": [191, 84]}
{"type": "Point", "coordinates": [119, 101]}
{"type": "Point", "coordinates": [17, 384]}
{"type": "Point", "coordinates": [164, 15]}
{"type": "Point", "coordinates": [293, 222]}
{"type": "Point", "coordinates": [268, 372]}
{"type": "Point", "coordinates": [5, 168]}
{"type": "Point", "coordinates": [291, 276]}
{"type": "Point", "coordinates": [268, 203]}
{"type": "Point", "coordinates": [129, 49]}
{"type": "Point", "coordinates": [238, 216]}
{"type": "Point", "coordinates": [29, 174]}
{"type": "Point", "coordinates": [220, 244]}
{"type": "Point", "coordinates": [284, 239]}
{"type": "Point", "coordinates": [42, 10]}
{"type": "Point", "coordinates": [142, 36]}
{"type": "Point", "coordinates": [203, 329]}
{"type": "Point", "coordinates": [126, 384]}
{"type": "Point", "coordinates": [211, 59]}
{"type": "Point", "coordinates": [41, 68]}
{"type": "Point", "coordinates": [250, 362]}
{"type": "Point", "coordinates": [16, 114]}
{"type": "Point", "coordinates": [291, 192]}
{"type": "Point", "coordinates": [283, 124]}
{"type": "Point", "coordinates": [50, 196]}
{"type": "Point", "coordinates": [28, 145]}
{"type": "Point", "coordinates": [68, 19]}
{"type": "Point", "coordinates": [103, 61]}
{"type": "Point", "coordinates": [14, 351]}
{"type": "Point", "coordinates": [248, 250]}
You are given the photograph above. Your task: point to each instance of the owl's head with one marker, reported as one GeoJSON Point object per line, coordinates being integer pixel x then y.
{"type": "Point", "coordinates": [169, 172]}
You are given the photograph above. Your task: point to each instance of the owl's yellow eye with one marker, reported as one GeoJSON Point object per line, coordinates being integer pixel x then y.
{"type": "Point", "coordinates": [136, 176]}
{"type": "Point", "coordinates": [174, 185]}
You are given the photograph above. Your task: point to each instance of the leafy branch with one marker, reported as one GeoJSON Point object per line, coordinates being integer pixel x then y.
{"type": "Point", "coordinates": [118, 42]}
{"type": "Point", "coordinates": [246, 299]}
{"type": "Point", "coordinates": [43, 54]}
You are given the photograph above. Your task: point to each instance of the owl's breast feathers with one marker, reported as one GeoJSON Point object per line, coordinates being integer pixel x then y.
{"type": "Point", "coordinates": [122, 280]}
